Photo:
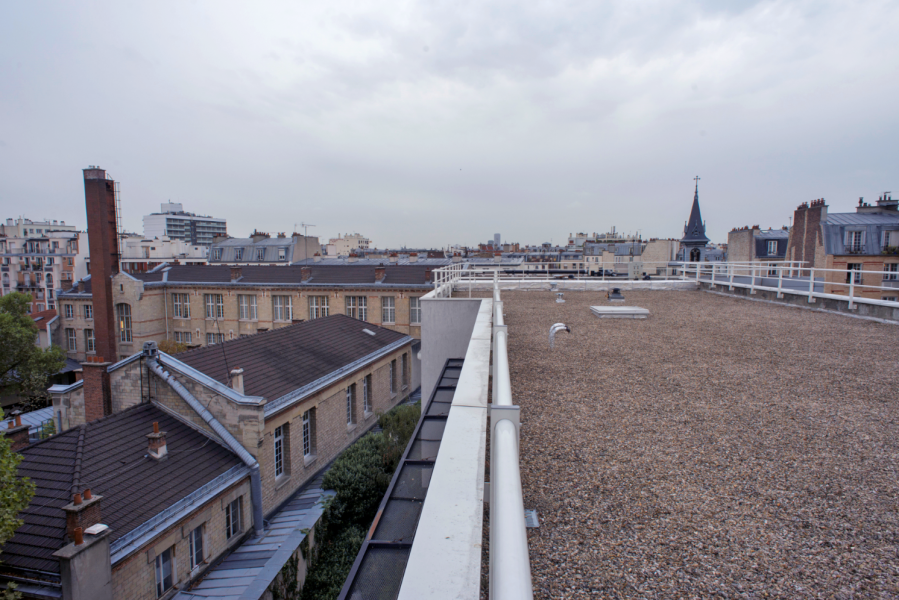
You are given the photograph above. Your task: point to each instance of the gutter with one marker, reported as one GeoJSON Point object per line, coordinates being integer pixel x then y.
{"type": "Point", "coordinates": [222, 431]}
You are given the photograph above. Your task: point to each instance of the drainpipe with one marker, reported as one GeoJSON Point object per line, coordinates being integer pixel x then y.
{"type": "Point", "coordinates": [230, 440]}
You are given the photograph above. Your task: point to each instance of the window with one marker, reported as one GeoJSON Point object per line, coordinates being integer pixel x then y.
{"type": "Point", "coordinates": [215, 306]}
{"type": "Point", "coordinates": [181, 302]}
{"type": "Point", "coordinates": [890, 239]}
{"type": "Point", "coordinates": [309, 433]}
{"type": "Point", "coordinates": [388, 310]}
{"type": "Point", "coordinates": [393, 376]}
{"type": "Point", "coordinates": [69, 260]}
{"type": "Point", "coordinates": [415, 311]}
{"type": "Point", "coordinates": [216, 254]}
{"type": "Point", "coordinates": [772, 247]}
{"type": "Point", "coordinates": [233, 514]}
{"type": "Point", "coordinates": [366, 393]}
{"type": "Point", "coordinates": [857, 269]}
{"type": "Point", "coordinates": [123, 314]}
{"type": "Point", "coordinates": [214, 338]}
{"type": "Point", "coordinates": [49, 276]}
{"type": "Point", "coordinates": [71, 346]}
{"type": "Point", "coordinates": [350, 402]}
{"type": "Point", "coordinates": [283, 308]}
{"type": "Point", "coordinates": [854, 241]}
{"type": "Point", "coordinates": [260, 253]}
{"type": "Point", "coordinates": [279, 451]}
{"type": "Point", "coordinates": [247, 306]}
{"type": "Point", "coordinates": [891, 272]}
{"type": "Point", "coordinates": [238, 254]}
{"type": "Point", "coordinates": [282, 253]}
{"type": "Point", "coordinates": [89, 311]}
{"type": "Point", "coordinates": [405, 372]}
{"type": "Point", "coordinates": [889, 298]}
{"type": "Point", "coordinates": [195, 540]}
{"type": "Point", "coordinates": [318, 306]}
{"type": "Point", "coordinates": [357, 307]}
{"type": "Point", "coordinates": [183, 337]}
{"type": "Point", "coordinates": [165, 571]}
{"type": "Point", "coordinates": [69, 310]}
{"type": "Point", "coordinates": [90, 344]}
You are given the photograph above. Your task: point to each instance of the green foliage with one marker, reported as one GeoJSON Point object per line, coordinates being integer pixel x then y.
{"type": "Point", "coordinates": [399, 423]}
{"type": "Point", "coordinates": [285, 586]}
{"type": "Point", "coordinates": [359, 477]}
{"type": "Point", "coordinates": [24, 367]}
{"type": "Point", "coordinates": [333, 560]}
{"type": "Point", "coordinates": [15, 492]}
{"type": "Point", "coordinates": [171, 346]}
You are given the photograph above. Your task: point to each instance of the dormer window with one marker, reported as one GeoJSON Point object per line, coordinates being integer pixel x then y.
{"type": "Point", "coordinates": [217, 254]}
{"type": "Point", "coordinates": [282, 253]}
{"type": "Point", "coordinates": [772, 247]}
{"type": "Point", "coordinates": [238, 254]}
{"type": "Point", "coordinates": [260, 254]}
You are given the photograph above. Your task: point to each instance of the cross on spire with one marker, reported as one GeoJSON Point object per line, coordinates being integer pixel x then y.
{"type": "Point", "coordinates": [696, 179]}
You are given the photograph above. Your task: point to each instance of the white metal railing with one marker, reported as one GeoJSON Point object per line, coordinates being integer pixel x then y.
{"type": "Point", "coordinates": [798, 279]}
{"type": "Point", "coordinates": [510, 563]}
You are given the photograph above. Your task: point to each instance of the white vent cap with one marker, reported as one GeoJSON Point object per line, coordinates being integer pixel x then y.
{"type": "Point", "coordinates": [369, 331]}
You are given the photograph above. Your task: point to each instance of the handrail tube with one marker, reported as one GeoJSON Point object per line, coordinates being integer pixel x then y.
{"type": "Point", "coordinates": [511, 577]}
{"type": "Point", "coordinates": [503, 384]}
{"type": "Point", "coordinates": [227, 438]}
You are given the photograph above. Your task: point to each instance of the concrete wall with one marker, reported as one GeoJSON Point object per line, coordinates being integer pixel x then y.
{"type": "Point", "coordinates": [446, 329]}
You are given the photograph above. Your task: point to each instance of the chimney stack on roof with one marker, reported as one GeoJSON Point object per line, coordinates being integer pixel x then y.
{"type": "Point", "coordinates": [413, 257]}
{"type": "Point", "coordinates": [236, 273]}
{"type": "Point", "coordinates": [305, 273]}
{"type": "Point", "coordinates": [157, 447]}
{"type": "Point", "coordinates": [393, 257]}
{"type": "Point", "coordinates": [352, 257]}
{"type": "Point", "coordinates": [97, 391]}
{"type": "Point", "coordinates": [100, 204]}
{"type": "Point", "coordinates": [82, 513]}
{"type": "Point", "coordinates": [380, 274]}
{"type": "Point", "coordinates": [16, 433]}
{"type": "Point", "coordinates": [237, 380]}
{"type": "Point", "coordinates": [428, 275]}
{"type": "Point", "coordinates": [317, 257]}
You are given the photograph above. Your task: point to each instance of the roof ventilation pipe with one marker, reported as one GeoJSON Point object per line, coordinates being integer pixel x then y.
{"type": "Point", "coordinates": [227, 438]}
{"type": "Point", "coordinates": [554, 330]}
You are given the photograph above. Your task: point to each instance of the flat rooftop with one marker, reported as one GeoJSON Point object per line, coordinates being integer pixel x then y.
{"type": "Point", "coordinates": [719, 448]}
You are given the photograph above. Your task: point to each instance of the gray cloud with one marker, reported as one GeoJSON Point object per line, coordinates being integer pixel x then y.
{"type": "Point", "coordinates": [436, 122]}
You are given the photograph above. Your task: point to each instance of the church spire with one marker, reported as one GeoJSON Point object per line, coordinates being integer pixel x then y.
{"type": "Point", "coordinates": [694, 231]}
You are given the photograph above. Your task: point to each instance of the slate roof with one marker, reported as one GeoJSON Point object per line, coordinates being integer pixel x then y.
{"type": "Point", "coordinates": [873, 224]}
{"type": "Point", "coordinates": [112, 454]}
{"type": "Point", "coordinates": [694, 230]}
{"type": "Point", "coordinates": [402, 259]}
{"type": "Point", "coordinates": [316, 348]}
{"type": "Point", "coordinates": [863, 219]}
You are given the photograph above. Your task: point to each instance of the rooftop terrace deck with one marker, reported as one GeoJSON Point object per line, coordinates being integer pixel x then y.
{"type": "Point", "coordinates": [719, 448]}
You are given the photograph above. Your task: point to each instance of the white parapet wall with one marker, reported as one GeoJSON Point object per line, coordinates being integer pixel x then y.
{"type": "Point", "coordinates": [575, 285]}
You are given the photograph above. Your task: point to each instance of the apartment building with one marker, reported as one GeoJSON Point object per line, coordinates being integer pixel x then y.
{"type": "Point", "coordinates": [203, 305]}
{"type": "Point", "coordinates": [756, 245]}
{"type": "Point", "coordinates": [41, 264]}
{"type": "Point", "coordinates": [139, 254]}
{"type": "Point", "coordinates": [177, 224]}
{"type": "Point", "coordinates": [262, 249]}
{"type": "Point", "coordinates": [861, 247]}
{"type": "Point", "coordinates": [23, 228]}
{"type": "Point", "coordinates": [342, 245]}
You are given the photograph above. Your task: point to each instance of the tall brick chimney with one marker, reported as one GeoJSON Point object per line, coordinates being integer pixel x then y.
{"type": "Point", "coordinates": [97, 391]}
{"type": "Point", "coordinates": [99, 201]}
{"type": "Point", "coordinates": [305, 273]}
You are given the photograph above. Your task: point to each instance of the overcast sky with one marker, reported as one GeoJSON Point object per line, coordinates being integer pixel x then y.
{"type": "Point", "coordinates": [436, 122]}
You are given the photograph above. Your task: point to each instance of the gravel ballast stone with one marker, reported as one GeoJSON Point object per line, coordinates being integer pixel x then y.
{"type": "Point", "coordinates": [719, 448]}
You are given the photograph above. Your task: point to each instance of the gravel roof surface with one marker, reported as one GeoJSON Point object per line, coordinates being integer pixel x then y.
{"type": "Point", "coordinates": [720, 448]}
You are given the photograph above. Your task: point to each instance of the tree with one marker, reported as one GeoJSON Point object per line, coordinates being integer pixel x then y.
{"type": "Point", "coordinates": [24, 367]}
{"type": "Point", "coordinates": [15, 494]}
{"type": "Point", "coordinates": [171, 346]}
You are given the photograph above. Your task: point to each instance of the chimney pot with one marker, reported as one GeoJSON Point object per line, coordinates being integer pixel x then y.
{"type": "Point", "coordinates": [237, 380]}
{"type": "Point", "coordinates": [87, 494]}
{"type": "Point", "coordinates": [157, 447]}
{"type": "Point", "coordinates": [76, 500]}
{"type": "Point", "coordinates": [79, 536]}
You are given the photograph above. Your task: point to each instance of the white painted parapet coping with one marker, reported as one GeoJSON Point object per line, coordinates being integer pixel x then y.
{"type": "Point", "coordinates": [445, 561]}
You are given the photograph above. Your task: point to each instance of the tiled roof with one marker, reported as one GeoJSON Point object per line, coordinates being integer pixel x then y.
{"type": "Point", "coordinates": [42, 318]}
{"type": "Point", "coordinates": [316, 348]}
{"type": "Point", "coordinates": [115, 465]}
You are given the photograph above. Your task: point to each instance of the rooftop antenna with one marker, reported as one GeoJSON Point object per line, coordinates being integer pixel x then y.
{"type": "Point", "coordinates": [305, 227]}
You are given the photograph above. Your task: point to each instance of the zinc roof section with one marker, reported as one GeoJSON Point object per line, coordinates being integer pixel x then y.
{"type": "Point", "coordinates": [316, 348]}
{"type": "Point", "coordinates": [114, 465]}
{"type": "Point", "coordinates": [863, 219]}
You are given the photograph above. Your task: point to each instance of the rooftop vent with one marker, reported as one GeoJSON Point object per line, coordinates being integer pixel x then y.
{"type": "Point", "coordinates": [615, 295]}
{"type": "Point", "coordinates": [554, 330]}
{"type": "Point", "coordinates": [369, 331]}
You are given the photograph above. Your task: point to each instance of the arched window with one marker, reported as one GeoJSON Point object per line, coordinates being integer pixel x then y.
{"type": "Point", "coordinates": [123, 314]}
{"type": "Point", "coordinates": [50, 280]}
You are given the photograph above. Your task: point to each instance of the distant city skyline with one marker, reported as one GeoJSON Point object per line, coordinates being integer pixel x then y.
{"type": "Point", "coordinates": [436, 124]}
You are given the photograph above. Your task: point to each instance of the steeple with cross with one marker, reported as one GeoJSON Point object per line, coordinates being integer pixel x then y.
{"type": "Point", "coordinates": [694, 230]}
